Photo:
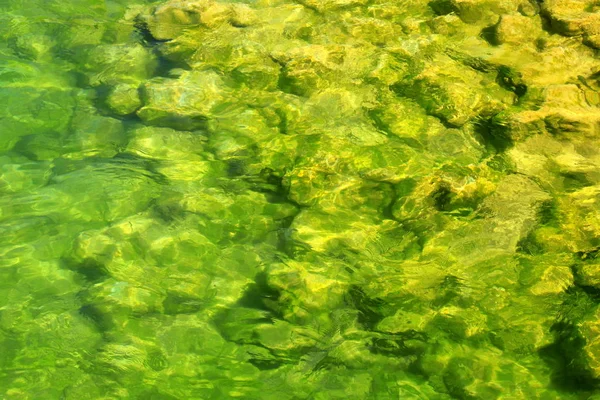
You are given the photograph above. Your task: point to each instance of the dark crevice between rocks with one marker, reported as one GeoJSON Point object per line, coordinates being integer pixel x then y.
{"type": "Point", "coordinates": [289, 246]}
{"type": "Point", "coordinates": [81, 80]}
{"type": "Point", "coordinates": [27, 145]}
{"type": "Point", "coordinates": [500, 162]}
{"type": "Point", "coordinates": [506, 77]}
{"type": "Point", "coordinates": [446, 201]}
{"type": "Point", "coordinates": [387, 211]}
{"type": "Point", "coordinates": [91, 311]}
{"type": "Point", "coordinates": [384, 129]}
{"type": "Point", "coordinates": [584, 257]}
{"type": "Point", "coordinates": [592, 291]}
{"type": "Point", "coordinates": [102, 321]}
{"type": "Point", "coordinates": [167, 212]}
{"type": "Point", "coordinates": [309, 7]}
{"type": "Point", "coordinates": [547, 24]}
{"type": "Point", "coordinates": [403, 344]}
{"type": "Point", "coordinates": [268, 360]}
{"type": "Point", "coordinates": [442, 7]}
{"type": "Point", "coordinates": [285, 84]}
{"type": "Point", "coordinates": [547, 216]}
{"type": "Point", "coordinates": [378, 123]}
{"type": "Point", "coordinates": [476, 63]}
{"type": "Point", "coordinates": [452, 290]}
{"type": "Point", "coordinates": [178, 122]}
{"type": "Point", "coordinates": [421, 228]}
{"type": "Point", "coordinates": [574, 181]}
{"type": "Point", "coordinates": [261, 296]}
{"type": "Point", "coordinates": [265, 364]}
{"type": "Point", "coordinates": [588, 255]}
{"type": "Point", "coordinates": [175, 304]}
{"type": "Point", "coordinates": [91, 271]}
{"type": "Point", "coordinates": [142, 30]}
{"type": "Point", "coordinates": [165, 67]}
{"type": "Point", "coordinates": [370, 313]}
{"type": "Point", "coordinates": [442, 197]}
{"type": "Point", "coordinates": [412, 93]}
{"type": "Point", "coordinates": [183, 123]}
{"type": "Point", "coordinates": [282, 126]}
{"type": "Point", "coordinates": [100, 103]}
{"type": "Point", "coordinates": [511, 80]}
{"type": "Point", "coordinates": [492, 135]}
{"type": "Point", "coordinates": [142, 166]}
{"type": "Point", "coordinates": [271, 185]}
{"type": "Point", "coordinates": [536, 4]}
{"type": "Point", "coordinates": [284, 232]}
{"type": "Point", "coordinates": [145, 38]}
{"type": "Point", "coordinates": [235, 168]}
{"type": "Point", "coordinates": [489, 35]}
{"type": "Point", "coordinates": [564, 356]}
{"type": "Point", "coordinates": [529, 245]}
{"type": "Point", "coordinates": [595, 78]}
{"type": "Point", "coordinates": [235, 324]}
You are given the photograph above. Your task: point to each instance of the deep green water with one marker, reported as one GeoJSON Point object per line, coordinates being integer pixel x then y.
{"type": "Point", "coordinates": [317, 199]}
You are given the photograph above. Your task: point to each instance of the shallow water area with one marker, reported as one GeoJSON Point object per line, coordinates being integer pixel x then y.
{"type": "Point", "coordinates": [316, 199]}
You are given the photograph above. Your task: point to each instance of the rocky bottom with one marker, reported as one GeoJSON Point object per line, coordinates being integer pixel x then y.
{"type": "Point", "coordinates": [311, 199]}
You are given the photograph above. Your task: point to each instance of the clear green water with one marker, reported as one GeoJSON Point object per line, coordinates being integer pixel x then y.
{"type": "Point", "coordinates": [320, 199]}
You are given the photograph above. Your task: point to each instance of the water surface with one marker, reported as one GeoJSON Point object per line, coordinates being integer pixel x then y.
{"type": "Point", "coordinates": [319, 199]}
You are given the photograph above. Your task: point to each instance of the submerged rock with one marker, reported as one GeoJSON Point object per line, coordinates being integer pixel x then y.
{"type": "Point", "coordinates": [517, 29]}
{"type": "Point", "coordinates": [119, 63]}
{"type": "Point", "coordinates": [454, 93]}
{"type": "Point", "coordinates": [33, 111]}
{"type": "Point", "coordinates": [123, 99]}
{"type": "Point", "coordinates": [186, 103]}
{"type": "Point", "coordinates": [475, 11]}
{"type": "Point", "coordinates": [572, 17]}
{"type": "Point", "coordinates": [279, 199]}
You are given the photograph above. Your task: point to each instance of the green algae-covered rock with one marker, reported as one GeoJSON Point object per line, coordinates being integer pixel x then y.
{"type": "Point", "coordinates": [82, 32]}
{"type": "Point", "coordinates": [588, 329]}
{"type": "Point", "coordinates": [455, 93]}
{"type": "Point", "coordinates": [174, 18]}
{"type": "Point", "coordinates": [166, 144]}
{"type": "Point", "coordinates": [227, 218]}
{"type": "Point", "coordinates": [330, 5]}
{"type": "Point", "coordinates": [185, 103]}
{"type": "Point", "coordinates": [170, 20]}
{"type": "Point", "coordinates": [33, 46]}
{"type": "Point", "coordinates": [578, 340]}
{"type": "Point", "coordinates": [581, 218]}
{"type": "Point", "coordinates": [509, 215]}
{"type": "Point", "coordinates": [459, 323]}
{"type": "Point", "coordinates": [517, 29]}
{"type": "Point", "coordinates": [123, 99]}
{"type": "Point", "coordinates": [572, 17]}
{"type": "Point", "coordinates": [318, 287]}
{"type": "Point", "coordinates": [84, 140]}
{"type": "Point", "coordinates": [308, 70]}
{"type": "Point", "coordinates": [18, 174]}
{"type": "Point", "coordinates": [588, 274]}
{"type": "Point", "coordinates": [314, 199]}
{"type": "Point", "coordinates": [112, 64]}
{"type": "Point", "coordinates": [564, 111]}
{"type": "Point", "coordinates": [96, 195]}
{"type": "Point", "coordinates": [405, 321]}
{"type": "Point", "coordinates": [257, 72]}
{"type": "Point", "coordinates": [32, 111]}
{"type": "Point", "coordinates": [474, 11]}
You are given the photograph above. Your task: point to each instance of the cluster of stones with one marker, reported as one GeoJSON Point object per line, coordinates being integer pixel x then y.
{"type": "Point", "coordinates": [408, 191]}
